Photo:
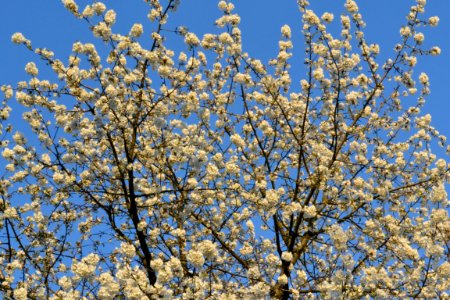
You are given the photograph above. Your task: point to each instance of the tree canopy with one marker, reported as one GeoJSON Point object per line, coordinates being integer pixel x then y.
{"type": "Point", "coordinates": [202, 172]}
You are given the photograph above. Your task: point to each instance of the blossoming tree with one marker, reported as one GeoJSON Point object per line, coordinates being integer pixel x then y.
{"type": "Point", "coordinates": [204, 173]}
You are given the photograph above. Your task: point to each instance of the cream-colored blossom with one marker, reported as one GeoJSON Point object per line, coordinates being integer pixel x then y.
{"type": "Point", "coordinates": [20, 293]}
{"type": "Point", "coordinates": [286, 31]}
{"type": "Point", "coordinates": [433, 21]}
{"type": "Point", "coordinates": [196, 258]}
{"type": "Point", "coordinates": [98, 7]}
{"type": "Point", "coordinates": [136, 30]}
{"type": "Point", "coordinates": [71, 5]}
{"type": "Point", "coordinates": [318, 74]}
{"type": "Point", "coordinates": [222, 5]}
{"type": "Point", "coordinates": [86, 267]}
{"type": "Point", "coordinates": [327, 17]}
{"type": "Point", "coordinates": [18, 38]}
{"type": "Point", "coordinates": [237, 140]}
{"type": "Point", "coordinates": [286, 256]}
{"type": "Point", "coordinates": [351, 6]}
{"type": "Point", "coordinates": [435, 50]}
{"type": "Point", "coordinates": [191, 39]}
{"type": "Point", "coordinates": [31, 69]}
{"type": "Point", "coordinates": [419, 37]}
{"type": "Point", "coordinates": [110, 17]}
{"type": "Point", "coordinates": [405, 31]}
{"type": "Point", "coordinates": [311, 18]}
{"type": "Point", "coordinates": [423, 77]}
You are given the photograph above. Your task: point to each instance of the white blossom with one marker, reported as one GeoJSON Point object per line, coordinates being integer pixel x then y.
{"type": "Point", "coordinates": [18, 38]}
{"type": "Point", "coordinates": [286, 31]}
{"type": "Point", "coordinates": [433, 21]}
{"type": "Point", "coordinates": [196, 258]}
{"type": "Point", "coordinates": [136, 30]}
{"type": "Point", "coordinates": [435, 50]}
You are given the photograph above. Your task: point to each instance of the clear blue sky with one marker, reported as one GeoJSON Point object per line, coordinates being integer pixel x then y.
{"type": "Point", "coordinates": [48, 24]}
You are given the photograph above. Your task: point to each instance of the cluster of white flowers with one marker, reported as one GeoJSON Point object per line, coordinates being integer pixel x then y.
{"type": "Point", "coordinates": [71, 5]}
{"type": "Point", "coordinates": [127, 250]}
{"type": "Point", "coordinates": [433, 21]}
{"type": "Point", "coordinates": [327, 17]}
{"type": "Point", "coordinates": [21, 293]}
{"type": "Point", "coordinates": [318, 74]}
{"type": "Point", "coordinates": [209, 249]}
{"type": "Point", "coordinates": [18, 38]}
{"type": "Point", "coordinates": [237, 140]}
{"type": "Point", "coordinates": [311, 18]}
{"type": "Point", "coordinates": [419, 38]}
{"type": "Point", "coordinates": [286, 256]}
{"type": "Point", "coordinates": [351, 6]}
{"type": "Point", "coordinates": [309, 211]}
{"type": "Point", "coordinates": [423, 77]}
{"type": "Point", "coordinates": [339, 237]}
{"type": "Point", "coordinates": [286, 31]}
{"type": "Point", "coordinates": [87, 266]}
{"type": "Point", "coordinates": [196, 258]}
{"type": "Point", "coordinates": [136, 30]}
{"type": "Point", "coordinates": [435, 50]}
{"type": "Point", "coordinates": [191, 39]}
{"type": "Point", "coordinates": [109, 287]}
{"type": "Point", "coordinates": [98, 7]}
{"type": "Point", "coordinates": [405, 31]}
{"type": "Point", "coordinates": [31, 69]}
{"type": "Point", "coordinates": [110, 17]}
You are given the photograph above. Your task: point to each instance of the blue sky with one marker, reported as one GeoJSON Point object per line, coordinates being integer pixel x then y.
{"type": "Point", "coordinates": [48, 24]}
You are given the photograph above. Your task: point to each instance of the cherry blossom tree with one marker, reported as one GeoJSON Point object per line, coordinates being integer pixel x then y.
{"type": "Point", "coordinates": [205, 173]}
